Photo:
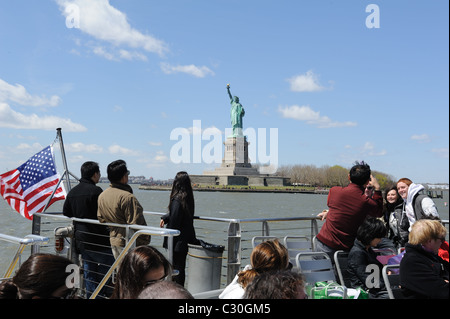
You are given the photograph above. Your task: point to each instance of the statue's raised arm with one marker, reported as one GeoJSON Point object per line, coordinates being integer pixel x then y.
{"type": "Point", "coordinates": [229, 93]}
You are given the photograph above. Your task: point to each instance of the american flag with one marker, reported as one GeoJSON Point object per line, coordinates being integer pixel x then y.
{"type": "Point", "coordinates": [28, 187]}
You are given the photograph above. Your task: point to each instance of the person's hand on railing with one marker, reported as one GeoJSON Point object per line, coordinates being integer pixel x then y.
{"type": "Point", "coordinates": [323, 214]}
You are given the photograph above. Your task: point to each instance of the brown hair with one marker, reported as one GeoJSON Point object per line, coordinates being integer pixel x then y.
{"type": "Point", "coordinates": [133, 268]}
{"type": "Point", "coordinates": [39, 276]}
{"type": "Point", "coordinates": [268, 255]}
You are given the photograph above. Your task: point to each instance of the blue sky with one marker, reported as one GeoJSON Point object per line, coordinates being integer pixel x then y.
{"type": "Point", "coordinates": [120, 76]}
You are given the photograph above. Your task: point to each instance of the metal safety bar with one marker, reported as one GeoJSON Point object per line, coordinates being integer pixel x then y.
{"type": "Point", "coordinates": [34, 240]}
{"type": "Point", "coordinates": [234, 235]}
{"type": "Point", "coordinates": [165, 232]}
{"type": "Point", "coordinates": [132, 232]}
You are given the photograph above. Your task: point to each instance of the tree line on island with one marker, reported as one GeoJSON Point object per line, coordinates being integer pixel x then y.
{"type": "Point", "coordinates": [326, 176]}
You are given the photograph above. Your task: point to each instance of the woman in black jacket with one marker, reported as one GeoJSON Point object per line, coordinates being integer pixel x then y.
{"type": "Point", "coordinates": [181, 216]}
{"type": "Point", "coordinates": [395, 217]}
{"type": "Point", "coordinates": [423, 274]}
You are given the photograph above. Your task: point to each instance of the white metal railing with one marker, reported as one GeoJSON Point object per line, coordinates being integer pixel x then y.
{"type": "Point", "coordinates": [132, 233]}
{"type": "Point", "coordinates": [234, 234]}
{"type": "Point", "coordinates": [28, 240]}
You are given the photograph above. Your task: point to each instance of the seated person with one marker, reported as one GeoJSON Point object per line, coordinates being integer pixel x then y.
{"type": "Point", "coordinates": [267, 256]}
{"type": "Point", "coordinates": [141, 267]}
{"type": "Point", "coordinates": [362, 259]}
{"type": "Point", "coordinates": [281, 284]}
{"type": "Point", "coordinates": [41, 276]}
{"type": "Point", "coordinates": [165, 289]}
{"type": "Point", "coordinates": [423, 274]}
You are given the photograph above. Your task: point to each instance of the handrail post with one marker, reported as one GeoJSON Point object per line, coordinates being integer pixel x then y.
{"type": "Point", "coordinates": [314, 228]}
{"type": "Point", "coordinates": [35, 230]}
{"type": "Point", "coordinates": [234, 250]}
{"type": "Point", "coordinates": [265, 228]}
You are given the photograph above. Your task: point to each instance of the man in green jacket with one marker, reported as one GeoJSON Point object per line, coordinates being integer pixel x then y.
{"type": "Point", "coordinates": [118, 205]}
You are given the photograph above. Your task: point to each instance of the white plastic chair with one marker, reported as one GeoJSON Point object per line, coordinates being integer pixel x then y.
{"type": "Point", "coordinates": [259, 239]}
{"type": "Point", "coordinates": [391, 278]}
{"type": "Point", "coordinates": [295, 245]}
{"type": "Point", "coordinates": [315, 266]}
{"type": "Point", "coordinates": [341, 263]}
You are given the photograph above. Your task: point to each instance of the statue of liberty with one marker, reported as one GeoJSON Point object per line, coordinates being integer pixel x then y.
{"type": "Point", "coordinates": [237, 112]}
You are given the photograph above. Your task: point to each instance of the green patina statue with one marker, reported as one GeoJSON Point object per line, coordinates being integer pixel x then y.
{"type": "Point", "coordinates": [237, 112]}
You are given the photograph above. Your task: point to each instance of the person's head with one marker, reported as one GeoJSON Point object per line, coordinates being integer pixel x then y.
{"type": "Point", "coordinates": [403, 186]}
{"type": "Point", "coordinates": [165, 289]}
{"type": "Point", "coordinates": [90, 170]}
{"type": "Point", "coordinates": [371, 231]}
{"type": "Point", "coordinates": [283, 284]}
{"type": "Point", "coordinates": [391, 195]}
{"type": "Point", "coordinates": [428, 233]}
{"type": "Point", "coordinates": [360, 174]}
{"type": "Point", "coordinates": [236, 99]}
{"type": "Point", "coordinates": [41, 276]}
{"type": "Point", "coordinates": [268, 255]}
{"type": "Point", "coordinates": [182, 190]}
{"type": "Point", "coordinates": [118, 172]}
{"type": "Point", "coordinates": [142, 266]}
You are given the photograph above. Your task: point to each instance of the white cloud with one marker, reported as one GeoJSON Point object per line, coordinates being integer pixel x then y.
{"type": "Point", "coordinates": [83, 148]}
{"type": "Point", "coordinates": [100, 51]}
{"type": "Point", "coordinates": [12, 119]}
{"type": "Point", "coordinates": [101, 20]}
{"type": "Point", "coordinates": [308, 82]}
{"type": "Point", "coordinates": [130, 55]}
{"type": "Point", "coordinates": [160, 157]}
{"type": "Point", "coordinates": [119, 150]}
{"type": "Point", "coordinates": [441, 152]}
{"type": "Point", "coordinates": [191, 69]}
{"type": "Point", "coordinates": [308, 115]}
{"type": "Point", "coordinates": [18, 94]}
{"type": "Point", "coordinates": [423, 138]}
{"type": "Point", "coordinates": [369, 150]}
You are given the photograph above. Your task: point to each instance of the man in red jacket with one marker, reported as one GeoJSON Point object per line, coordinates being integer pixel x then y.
{"type": "Point", "coordinates": [348, 208]}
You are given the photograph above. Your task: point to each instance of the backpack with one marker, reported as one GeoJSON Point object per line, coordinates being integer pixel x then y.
{"type": "Point", "coordinates": [417, 205]}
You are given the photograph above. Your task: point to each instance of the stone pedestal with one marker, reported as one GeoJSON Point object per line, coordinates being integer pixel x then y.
{"type": "Point", "coordinates": [235, 160]}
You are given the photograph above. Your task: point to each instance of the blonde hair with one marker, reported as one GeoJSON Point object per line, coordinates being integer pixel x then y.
{"type": "Point", "coordinates": [268, 255]}
{"type": "Point", "coordinates": [424, 230]}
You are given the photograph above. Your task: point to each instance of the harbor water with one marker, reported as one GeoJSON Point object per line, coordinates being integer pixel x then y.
{"type": "Point", "coordinates": [207, 204]}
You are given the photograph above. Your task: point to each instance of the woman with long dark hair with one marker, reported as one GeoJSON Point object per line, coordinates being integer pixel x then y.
{"type": "Point", "coordinates": [141, 267]}
{"type": "Point", "coordinates": [181, 217]}
{"type": "Point", "coordinates": [41, 276]}
{"type": "Point", "coordinates": [394, 217]}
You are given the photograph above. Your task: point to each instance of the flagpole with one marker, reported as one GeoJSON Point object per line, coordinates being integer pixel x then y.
{"type": "Point", "coordinates": [66, 171]}
{"type": "Point", "coordinates": [63, 156]}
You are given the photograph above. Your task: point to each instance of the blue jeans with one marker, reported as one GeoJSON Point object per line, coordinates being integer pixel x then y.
{"type": "Point", "coordinates": [95, 265]}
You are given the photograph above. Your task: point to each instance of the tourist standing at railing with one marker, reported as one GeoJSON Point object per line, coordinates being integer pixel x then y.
{"type": "Point", "coordinates": [348, 208]}
{"type": "Point", "coordinates": [118, 205]}
{"type": "Point", "coordinates": [91, 240]}
{"type": "Point", "coordinates": [181, 217]}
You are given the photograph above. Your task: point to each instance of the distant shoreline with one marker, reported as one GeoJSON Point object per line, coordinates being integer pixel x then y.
{"type": "Point", "coordinates": [242, 189]}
